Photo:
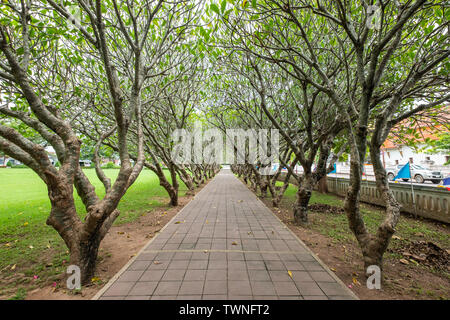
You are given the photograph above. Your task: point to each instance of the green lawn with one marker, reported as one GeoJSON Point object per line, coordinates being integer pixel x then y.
{"type": "Point", "coordinates": [24, 207]}
{"type": "Point", "coordinates": [336, 225]}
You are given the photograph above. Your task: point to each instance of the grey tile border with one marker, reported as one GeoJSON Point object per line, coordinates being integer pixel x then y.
{"type": "Point", "coordinates": [263, 288]}
{"type": "Point", "coordinates": [167, 288]}
{"type": "Point", "coordinates": [214, 297]}
{"type": "Point", "coordinates": [191, 288]}
{"type": "Point", "coordinates": [286, 288]}
{"type": "Point", "coordinates": [215, 287]}
{"type": "Point", "coordinates": [130, 276]}
{"type": "Point", "coordinates": [332, 289]}
{"type": "Point", "coordinates": [119, 289]}
{"type": "Point", "coordinates": [143, 288]}
{"type": "Point", "coordinates": [239, 287]}
{"type": "Point", "coordinates": [192, 274]}
{"type": "Point", "coordinates": [259, 275]}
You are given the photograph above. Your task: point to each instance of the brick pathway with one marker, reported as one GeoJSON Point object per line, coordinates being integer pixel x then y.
{"type": "Point", "coordinates": [225, 244]}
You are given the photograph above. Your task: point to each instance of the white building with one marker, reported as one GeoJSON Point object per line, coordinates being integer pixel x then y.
{"type": "Point", "coordinates": [393, 155]}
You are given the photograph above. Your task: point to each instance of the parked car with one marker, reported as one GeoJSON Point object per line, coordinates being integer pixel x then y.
{"type": "Point", "coordinates": [418, 173]}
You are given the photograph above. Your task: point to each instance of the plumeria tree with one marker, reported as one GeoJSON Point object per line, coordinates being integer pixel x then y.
{"type": "Point", "coordinates": [62, 62]}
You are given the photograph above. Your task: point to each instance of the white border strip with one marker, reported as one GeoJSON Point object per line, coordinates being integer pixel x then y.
{"type": "Point", "coordinates": [125, 267]}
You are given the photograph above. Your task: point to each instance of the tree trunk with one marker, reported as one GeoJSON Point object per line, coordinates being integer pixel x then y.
{"type": "Point", "coordinates": [322, 185]}
{"type": "Point", "coordinates": [63, 217]}
{"type": "Point", "coordinates": [263, 187]}
{"type": "Point", "coordinates": [187, 180]}
{"type": "Point", "coordinates": [380, 242]}
{"type": "Point", "coordinates": [84, 255]}
{"type": "Point", "coordinates": [300, 207]}
{"type": "Point", "coordinates": [174, 192]}
{"type": "Point", "coordinates": [279, 194]}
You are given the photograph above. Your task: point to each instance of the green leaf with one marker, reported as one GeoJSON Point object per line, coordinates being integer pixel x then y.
{"type": "Point", "coordinates": [223, 6]}
{"type": "Point", "coordinates": [215, 8]}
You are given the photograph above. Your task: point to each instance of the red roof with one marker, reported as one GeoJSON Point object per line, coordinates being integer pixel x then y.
{"type": "Point", "coordinates": [425, 128]}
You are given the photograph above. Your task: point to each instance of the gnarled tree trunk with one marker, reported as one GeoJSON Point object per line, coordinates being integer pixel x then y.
{"type": "Point", "coordinates": [304, 193]}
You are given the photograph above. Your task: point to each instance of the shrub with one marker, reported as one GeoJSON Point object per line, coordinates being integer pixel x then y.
{"type": "Point", "coordinates": [19, 166]}
{"type": "Point", "coordinates": [110, 165]}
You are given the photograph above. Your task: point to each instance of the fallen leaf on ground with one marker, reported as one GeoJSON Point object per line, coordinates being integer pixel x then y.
{"type": "Point", "coordinates": [396, 238]}
{"type": "Point", "coordinates": [333, 269]}
{"type": "Point", "coordinates": [13, 267]}
{"type": "Point", "coordinates": [120, 232]}
{"type": "Point", "coordinates": [414, 261]}
{"type": "Point", "coordinates": [355, 281]}
{"type": "Point", "coordinates": [290, 273]}
{"type": "Point", "coordinates": [234, 243]}
{"type": "Point", "coordinates": [156, 262]}
{"type": "Point", "coordinates": [31, 247]}
{"type": "Point", "coordinates": [404, 261]}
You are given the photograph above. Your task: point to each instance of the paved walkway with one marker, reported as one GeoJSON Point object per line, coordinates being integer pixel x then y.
{"type": "Point", "coordinates": [225, 244]}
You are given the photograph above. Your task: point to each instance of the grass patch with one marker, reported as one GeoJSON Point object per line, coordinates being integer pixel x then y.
{"type": "Point", "coordinates": [336, 227]}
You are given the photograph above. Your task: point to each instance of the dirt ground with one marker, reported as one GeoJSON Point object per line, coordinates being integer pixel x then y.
{"type": "Point", "coordinates": [119, 246]}
{"type": "Point", "coordinates": [400, 282]}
